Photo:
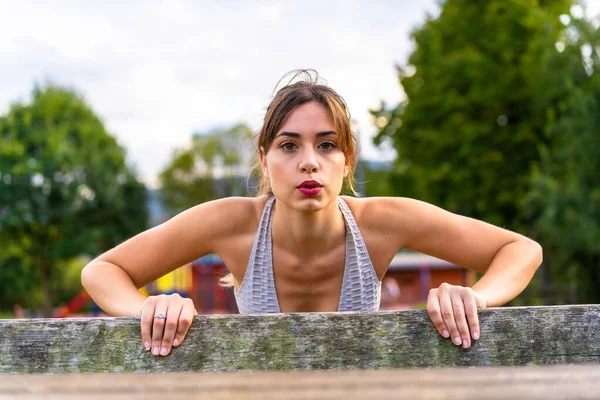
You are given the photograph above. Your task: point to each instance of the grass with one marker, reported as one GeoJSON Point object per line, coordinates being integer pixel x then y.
{"type": "Point", "coordinates": [6, 314]}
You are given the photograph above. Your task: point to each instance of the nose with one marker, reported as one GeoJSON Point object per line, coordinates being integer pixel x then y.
{"type": "Point", "coordinates": [309, 162]}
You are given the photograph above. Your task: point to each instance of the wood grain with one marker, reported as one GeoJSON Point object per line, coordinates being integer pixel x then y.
{"type": "Point", "coordinates": [313, 341]}
{"type": "Point", "coordinates": [482, 383]}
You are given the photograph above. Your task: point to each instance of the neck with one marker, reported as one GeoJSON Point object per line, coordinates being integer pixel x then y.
{"type": "Point", "coordinates": [298, 231]}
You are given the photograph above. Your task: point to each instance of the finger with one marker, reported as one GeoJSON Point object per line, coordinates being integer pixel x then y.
{"type": "Point", "coordinates": [170, 327]}
{"type": "Point", "coordinates": [433, 309]}
{"type": "Point", "coordinates": [458, 308]}
{"type": "Point", "coordinates": [186, 317]}
{"type": "Point", "coordinates": [448, 316]}
{"type": "Point", "coordinates": [158, 327]}
{"type": "Point", "coordinates": [470, 303]}
{"type": "Point", "coordinates": [146, 321]}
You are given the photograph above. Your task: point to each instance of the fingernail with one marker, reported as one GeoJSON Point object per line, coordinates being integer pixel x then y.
{"type": "Point", "coordinates": [465, 344]}
{"type": "Point", "coordinates": [446, 334]}
{"type": "Point", "coordinates": [475, 335]}
{"type": "Point", "coordinates": [147, 345]}
{"type": "Point", "coordinates": [155, 350]}
{"type": "Point", "coordinates": [163, 351]}
{"type": "Point", "coordinates": [176, 342]}
{"type": "Point", "coordinates": [457, 341]}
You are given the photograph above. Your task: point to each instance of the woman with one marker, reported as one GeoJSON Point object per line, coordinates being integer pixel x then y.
{"type": "Point", "coordinates": [300, 246]}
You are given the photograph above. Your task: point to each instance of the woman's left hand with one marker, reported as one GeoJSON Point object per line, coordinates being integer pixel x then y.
{"type": "Point", "coordinates": [453, 311]}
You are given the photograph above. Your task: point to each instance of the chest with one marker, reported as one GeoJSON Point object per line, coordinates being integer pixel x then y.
{"type": "Point", "coordinates": [308, 269]}
{"type": "Point", "coordinates": [310, 282]}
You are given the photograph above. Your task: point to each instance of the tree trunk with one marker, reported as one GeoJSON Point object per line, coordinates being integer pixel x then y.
{"type": "Point", "coordinates": [593, 266]}
{"type": "Point", "coordinates": [589, 283]}
{"type": "Point", "coordinates": [45, 269]}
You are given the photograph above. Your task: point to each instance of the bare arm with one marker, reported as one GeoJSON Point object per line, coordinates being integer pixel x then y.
{"type": "Point", "coordinates": [507, 260]}
{"type": "Point", "coordinates": [113, 278]}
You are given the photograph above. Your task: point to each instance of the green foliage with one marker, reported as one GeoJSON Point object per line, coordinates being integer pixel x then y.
{"type": "Point", "coordinates": [377, 179]}
{"type": "Point", "coordinates": [64, 188]}
{"type": "Point", "coordinates": [213, 166]}
{"type": "Point", "coordinates": [468, 133]}
{"type": "Point", "coordinates": [566, 185]}
{"type": "Point", "coordinates": [69, 284]}
{"type": "Point", "coordinates": [17, 274]}
{"type": "Point", "coordinates": [502, 123]}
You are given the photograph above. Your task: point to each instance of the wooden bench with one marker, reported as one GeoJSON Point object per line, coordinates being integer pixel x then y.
{"type": "Point", "coordinates": [362, 352]}
{"type": "Point", "coordinates": [537, 382]}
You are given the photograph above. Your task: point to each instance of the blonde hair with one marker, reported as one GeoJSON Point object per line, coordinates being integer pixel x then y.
{"type": "Point", "coordinates": [286, 100]}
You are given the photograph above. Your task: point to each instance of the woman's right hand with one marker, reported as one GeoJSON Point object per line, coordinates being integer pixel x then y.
{"type": "Point", "coordinates": [160, 334]}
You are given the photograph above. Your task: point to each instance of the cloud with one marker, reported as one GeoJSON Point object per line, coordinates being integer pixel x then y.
{"type": "Point", "coordinates": [157, 71]}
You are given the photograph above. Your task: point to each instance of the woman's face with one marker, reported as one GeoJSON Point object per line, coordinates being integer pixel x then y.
{"type": "Point", "coordinates": [305, 164]}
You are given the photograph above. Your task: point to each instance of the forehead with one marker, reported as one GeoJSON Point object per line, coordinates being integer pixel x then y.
{"type": "Point", "coordinates": [310, 117]}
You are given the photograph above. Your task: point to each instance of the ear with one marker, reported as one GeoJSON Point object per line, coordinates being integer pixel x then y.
{"type": "Point", "coordinates": [346, 168]}
{"type": "Point", "coordinates": [263, 161]}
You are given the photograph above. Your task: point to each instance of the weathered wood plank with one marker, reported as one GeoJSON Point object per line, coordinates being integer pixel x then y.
{"type": "Point", "coordinates": [510, 336]}
{"type": "Point", "coordinates": [537, 382]}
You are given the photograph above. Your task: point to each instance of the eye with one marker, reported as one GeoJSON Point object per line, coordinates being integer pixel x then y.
{"type": "Point", "coordinates": [288, 146]}
{"type": "Point", "coordinates": [327, 145]}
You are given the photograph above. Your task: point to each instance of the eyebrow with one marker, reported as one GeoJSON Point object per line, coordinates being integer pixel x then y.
{"type": "Point", "coordinates": [297, 135]}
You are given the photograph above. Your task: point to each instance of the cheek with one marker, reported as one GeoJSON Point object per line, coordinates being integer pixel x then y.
{"type": "Point", "coordinates": [340, 164]}
{"type": "Point", "coordinates": [275, 171]}
{"type": "Point", "coordinates": [336, 171]}
{"type": "Point", "coordinates": [280, 179]}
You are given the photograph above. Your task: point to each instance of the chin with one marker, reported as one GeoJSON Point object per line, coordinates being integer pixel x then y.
{"type": "Point", "coordinates": [313, 203]}
{"type": "Point", "coordinates": [300, 202]}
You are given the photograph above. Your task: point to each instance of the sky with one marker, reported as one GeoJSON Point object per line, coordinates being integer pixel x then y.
{"type": "Point", "coordinates": [156, 72]}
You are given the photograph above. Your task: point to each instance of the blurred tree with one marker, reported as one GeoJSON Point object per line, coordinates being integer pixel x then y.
{"type": "Point", "coordinates": [468, 133]}
{"type": "Point", "coordinates": [17, 275]}
{"type": "Point", "coordinates": [566, 184]}
{"type": "Point", "coordinates": [376, 177]}
{"type": "Point", "coordinates": [64, 188]}
{"type": "Point", "coordinates": [501, 122]}
{"type": "Point", "coordinates": [215, 165]}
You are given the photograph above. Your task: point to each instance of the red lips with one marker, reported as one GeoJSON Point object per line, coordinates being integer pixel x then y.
{"type": "Point", "coordinates": [310, 185]}
{"type": "Point", "coordinates": [310, 188]}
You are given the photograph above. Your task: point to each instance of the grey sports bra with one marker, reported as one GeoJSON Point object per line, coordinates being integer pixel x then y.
{"type": "Point", "coordinates": [361, 289]}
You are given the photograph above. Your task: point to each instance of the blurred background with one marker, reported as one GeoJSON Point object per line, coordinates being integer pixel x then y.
{"type": "Point", "coordinates": [115, 116]}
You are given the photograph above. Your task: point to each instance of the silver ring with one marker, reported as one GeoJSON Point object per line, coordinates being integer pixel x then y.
{"type": "Point", "coordinates": [160, 315]}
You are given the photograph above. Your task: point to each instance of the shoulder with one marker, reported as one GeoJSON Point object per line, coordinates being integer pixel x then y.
{"type": "Point", "coordinates": [391, 217]}
{"type": "Point", "coordinates": [383, 227]}
{"type": "Point", "coordinates": [234, 212]}
{"type": "Point", "coordinates": [381, 211]}
{"type": "Point", "coordinates": [206, 228]}
{"type": "Point", "coordinates": [221, 219]}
